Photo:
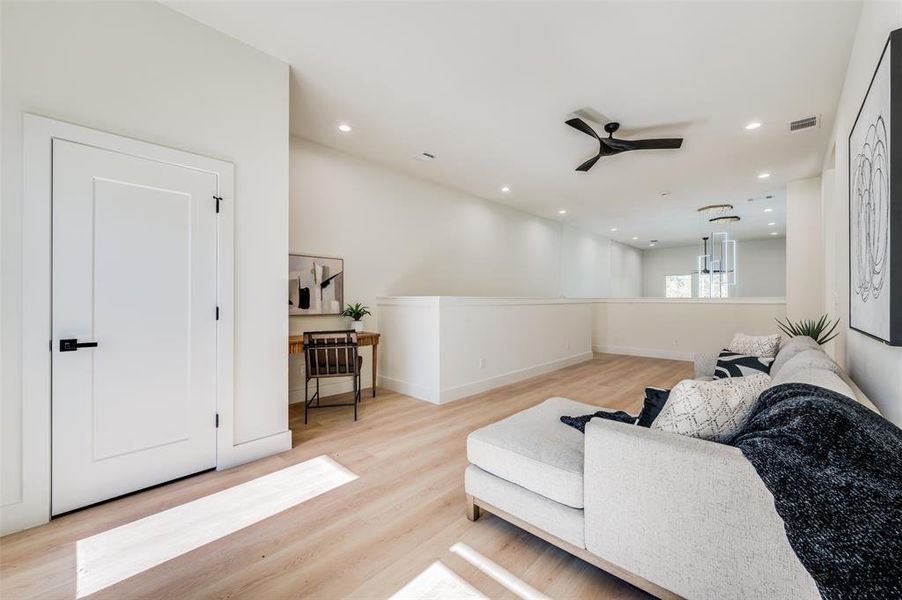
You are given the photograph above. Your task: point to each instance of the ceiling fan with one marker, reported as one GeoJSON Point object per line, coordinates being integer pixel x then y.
{"type": "Point", "coordinates": [608, 146]}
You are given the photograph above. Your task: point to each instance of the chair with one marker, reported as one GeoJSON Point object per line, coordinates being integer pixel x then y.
{"type": "Point", "coordinates": [329, 354]}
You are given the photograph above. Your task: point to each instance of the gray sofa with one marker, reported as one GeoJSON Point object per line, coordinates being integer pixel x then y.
{"type": "Point", "coordinates": [674, 515]}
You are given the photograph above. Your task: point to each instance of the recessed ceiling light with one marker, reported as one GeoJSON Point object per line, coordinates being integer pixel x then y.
{"type": "Point", "coordinates": [771, 224]}
{"type": "Point", "coordinates": [613, 229]}
{"type": "Point", "coordinates": [635, 237]}
{"type": "Point", "coordinates": [753, 125]}
{"type": "Point", "coordinates": [562, 212]}
{"type": "Point", "coordinates": [764, 175]}
{"type": "Point", "coordinates": [773, 233]}
{"type": "Point", "coordinates": [652, 244]}
{"type": "Point", "coordinates": [768, 210]}
{"type": "Point", "coordinates": [505, 189]}
{"type": "Point", "coordinates": [344, 127]}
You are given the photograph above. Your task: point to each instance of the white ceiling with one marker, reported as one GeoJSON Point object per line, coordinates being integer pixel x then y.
{"type": "Point", "coordinates": [486, 87]}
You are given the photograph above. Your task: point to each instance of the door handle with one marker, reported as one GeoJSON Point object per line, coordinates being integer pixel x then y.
{"type": "Point", "coordinates": [72, 344]}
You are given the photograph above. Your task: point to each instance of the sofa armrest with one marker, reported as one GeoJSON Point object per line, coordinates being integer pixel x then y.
{"type": "Point", "coordinates": [689, 515]}
{"type": "Point", "coordinates": [704, 365]}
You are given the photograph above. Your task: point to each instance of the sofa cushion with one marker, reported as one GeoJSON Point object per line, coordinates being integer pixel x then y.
{"type": "Point", "coordinates": [655, 399]}
{"type": "Point", "coordinates": [824, 378]}
{"type": "Point", "coordinates": [813, 358]}
{"type": "Point", "coordinates": [731, 364]}
{"type": "Point", "coordinates": [710, 410]}
{"type": "Point", "coordinates": [789, 349]}
{"type": "Point", "coordinates": [535, 450]}
{"type": "Point", "coordinates": [755, 345]}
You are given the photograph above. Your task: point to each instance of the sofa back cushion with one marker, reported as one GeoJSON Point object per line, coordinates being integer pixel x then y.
{"type": "Point", "coordinates": [820, 377]}
{"type": "Point", "coordinates": [789, 349]}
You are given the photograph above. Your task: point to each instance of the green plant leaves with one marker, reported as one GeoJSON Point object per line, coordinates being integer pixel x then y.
{"type": "Point", "coordinates": [356, 311]}
{"type": "Point", "coordinates": [821, 331]}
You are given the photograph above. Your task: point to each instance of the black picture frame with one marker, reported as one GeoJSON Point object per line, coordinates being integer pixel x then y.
{"type": "Point", "coordinates": [892, 51]}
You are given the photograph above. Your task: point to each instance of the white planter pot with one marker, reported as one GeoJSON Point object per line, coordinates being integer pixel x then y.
{"type": "Point", "coordinates": [358, 326]}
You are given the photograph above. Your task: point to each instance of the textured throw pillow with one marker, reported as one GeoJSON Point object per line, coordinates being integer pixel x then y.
{"type": "Point", "coordinates": [655, 398]}
{"type": "Point", "coordinates": [710, 410]}
{"type": "Point", "coordinates": [755, 345]}
{"type": "Point", "coordinates": [579, 423]}
{"type": "Point", "coordinates": [730, 364]}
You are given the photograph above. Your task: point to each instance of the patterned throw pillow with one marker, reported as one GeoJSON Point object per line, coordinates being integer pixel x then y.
{"type": "Point", "coordinates": [730, 364]}
{"type": "Point", "coordinates": [710, 410]}
{"type": "Point", "coordinates": [755, 345]}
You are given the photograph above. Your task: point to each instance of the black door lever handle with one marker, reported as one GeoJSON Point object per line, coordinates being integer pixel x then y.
{"type": "Point", "coordinates": [72, 344]}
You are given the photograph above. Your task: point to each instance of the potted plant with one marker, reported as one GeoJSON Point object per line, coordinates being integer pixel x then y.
{"type": "Point", "coordinates": [357, 312]}
{"type": "Point", "coordinates": [819, 330]}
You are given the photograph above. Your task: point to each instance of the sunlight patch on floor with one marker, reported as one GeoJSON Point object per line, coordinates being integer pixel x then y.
{"type": "Point", "coordinates": [120, 553]}
{"type": "Point", "coordinates": [498, 573]}
{"type": "Point", "coordinates": [438, 582]}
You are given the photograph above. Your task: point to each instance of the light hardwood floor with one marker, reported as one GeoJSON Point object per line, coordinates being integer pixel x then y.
{"type": "Point", "coordinates": [367, 538]}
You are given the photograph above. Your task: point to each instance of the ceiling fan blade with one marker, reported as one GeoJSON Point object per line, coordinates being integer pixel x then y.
{"type": "Point", "coordinates": [581, 125]}
{"type": "Point", "coordinates": [588, 164]}
{"type": "Point", "coordinates": [656, 144]}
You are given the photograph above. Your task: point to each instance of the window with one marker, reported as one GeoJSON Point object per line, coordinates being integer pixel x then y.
{"type": "Point", "coordinates": [678, 286]}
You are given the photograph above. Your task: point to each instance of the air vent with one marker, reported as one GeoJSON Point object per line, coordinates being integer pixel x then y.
{"type": "Point", "coordinates": [806, 123]}
{"type": "Point", "coordinates": [425, 156]}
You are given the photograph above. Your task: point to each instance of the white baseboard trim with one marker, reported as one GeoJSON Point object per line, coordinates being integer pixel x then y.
{"type": "Point", "coordinates": [20, 515]}
{"type": "Point", "coordinates": [468, 389]}
{"type": "Point", "coordinates": [646, 352]}
{"type": "Point", "coordinates": [413, 390]}
{"type": "Point", "coordinates": [254, 450]}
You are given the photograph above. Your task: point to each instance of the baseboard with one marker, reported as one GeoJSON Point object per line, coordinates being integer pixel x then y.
{"type": "Point", "coordinates": [20, 515]}
{"type": "Point", "coordinates": [468, 389]}
{"type": "Point", "coordinates": [646, 352]}
{"type": "Point", "coordinates": [409, 389]}
{"type": "Point", "coordinates": [254, 450]}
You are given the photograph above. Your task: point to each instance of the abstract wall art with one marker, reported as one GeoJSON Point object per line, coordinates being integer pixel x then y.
{"type": "Point", "coordinates": [875, 203]}
{"type": "Point", "coordinates": [315, 285]}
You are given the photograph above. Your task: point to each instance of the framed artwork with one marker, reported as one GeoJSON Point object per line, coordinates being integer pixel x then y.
{"type": "Point", "coordinates": [315, 285]}
{"type": "Point", "coordinates": [875, 203]}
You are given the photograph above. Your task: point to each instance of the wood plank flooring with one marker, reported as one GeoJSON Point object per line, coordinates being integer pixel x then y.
{"type": "Point", "coordinates": [367, 538]}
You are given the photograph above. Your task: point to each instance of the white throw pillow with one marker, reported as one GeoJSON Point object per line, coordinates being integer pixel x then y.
{"type": "Point", "coordinates": [763, 346]}
{"type": "Point", "coordinates": [710, 410]}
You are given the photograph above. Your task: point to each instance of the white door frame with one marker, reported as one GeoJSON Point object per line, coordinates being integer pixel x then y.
{"type": "Point", "coordinates": [34, 505]}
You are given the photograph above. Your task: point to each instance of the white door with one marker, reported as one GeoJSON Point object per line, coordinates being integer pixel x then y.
{"type": "Point", "coordinates": [134, 271]}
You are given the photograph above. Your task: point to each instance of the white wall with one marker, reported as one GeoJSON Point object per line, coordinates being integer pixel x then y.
{"type": "Point", "coordinates": [676, 328]}
{"type": "Point", "coordinates": [404, 236]}
{"type": "Point", "coordinates": [804, 249]}
{"type": "Point", "coordinates": [596, 267]}
{"type": "Point", "coordinates": [761, 268]}
{"type": "Point", "coordinates": [144, 71]}
{"type": "Point", "coordinates": [874, 366]}
{"type": "Point", "coordinates": [440, 349]}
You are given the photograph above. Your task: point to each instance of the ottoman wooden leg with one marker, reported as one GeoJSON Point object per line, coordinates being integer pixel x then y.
{"type": "Point", "coordinates": [473, 511]}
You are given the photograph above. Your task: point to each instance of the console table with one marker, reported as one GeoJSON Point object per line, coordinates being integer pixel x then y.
{"type": "Point", "coordinates": [364, 338]}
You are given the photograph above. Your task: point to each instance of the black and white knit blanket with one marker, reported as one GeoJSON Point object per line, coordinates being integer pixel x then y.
{"type": "Point", "coordinates": [835, 471]}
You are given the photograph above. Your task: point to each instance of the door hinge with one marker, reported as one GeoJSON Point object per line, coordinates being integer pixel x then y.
{"type": "Point", "coordinates": [218, 200]}
{"type": "Point", "coordinates": [217, 420]}
{"type": "Point", "coordinates": [217, 313]}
